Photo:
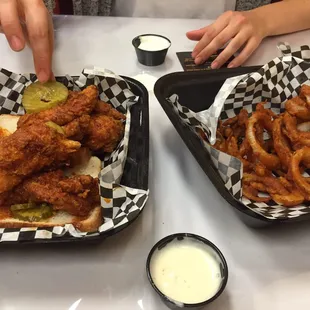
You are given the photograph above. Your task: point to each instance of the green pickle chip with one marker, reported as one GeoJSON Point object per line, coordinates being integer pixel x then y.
{"type": "Point", "coordinates": [55, 126]}
{"type": "Point", "coordinates": [23, 206]}
{"type": "Point", "coordinates": [42, 96]}
{"type": "Point", "coordinates": [33, 213]}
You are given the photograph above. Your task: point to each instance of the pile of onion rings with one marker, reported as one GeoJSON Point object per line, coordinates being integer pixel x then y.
{"type": "Point", "coordinates": [274, 150]}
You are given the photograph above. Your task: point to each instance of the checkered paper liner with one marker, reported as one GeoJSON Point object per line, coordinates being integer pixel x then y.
{"type": "Point", "coordinates": [276, 82]}
{"type": "Point", "coordinates": [121, 204]}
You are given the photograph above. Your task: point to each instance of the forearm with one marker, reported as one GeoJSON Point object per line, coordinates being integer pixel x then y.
{"type": "Point", "coordinates": [284, 17]}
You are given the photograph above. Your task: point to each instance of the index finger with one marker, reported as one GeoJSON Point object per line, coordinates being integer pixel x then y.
{"type": "Point", "coordinates": [37, 22]}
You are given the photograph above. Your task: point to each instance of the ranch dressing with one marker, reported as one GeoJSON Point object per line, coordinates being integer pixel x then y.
{"type": "Point", "coordinates": [153, 43]}
{"type": "Point", "coordinates": [186, 271]}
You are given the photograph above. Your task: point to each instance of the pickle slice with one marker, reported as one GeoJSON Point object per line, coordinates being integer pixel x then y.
{"type": "Point", "coordinates": [55, 126]}
{"type": "Point", "coordinates": [34, 214]}
{"type": "Point", "coordinates": [23, 206]}
{"type": "Point", "coordinates": [42, 96]}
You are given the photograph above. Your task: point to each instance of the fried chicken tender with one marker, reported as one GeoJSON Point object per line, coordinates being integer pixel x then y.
{"type": "Point", "coordinates": [96, 132]}
{"type": "Point", "coordinates": [101, 130]}
{"type": "Point", "coordinates": [77, 104]}
{"type": "Point", "coordinates": [30, 149]}
{"type": "Point", "coordinates": [77, 195]}
{"type": "Point", "coordinates": [104, 133]}
{"type": "Point", "coordinates": [77, 129]}
{"type": "Point", "coordinates": [104, 108]}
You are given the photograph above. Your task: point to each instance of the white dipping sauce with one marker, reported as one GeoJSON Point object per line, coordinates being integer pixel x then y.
{"type": "Point", "coordinates": [186, 271]}
{"type": "Point", "coordinates": [153, 43]}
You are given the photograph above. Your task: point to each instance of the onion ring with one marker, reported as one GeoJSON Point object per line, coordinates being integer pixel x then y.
{"type": "Point", "coordinates": [302, 182]}
{"type": "Point", "coordinates": [243, 117]}
{"type": "Point", "coordinates": [292, 199]}
{"type": "Point", "coordinates": [305, 94]}
{"type": "Point", "coordinates": [271, 161]}
{"type": "Point", "coordinates": [258, 186]}
{"type": "Point", "coordinates": [305, 126]}
{"type": "Point", "coordinates": [252, 194]}
{"type": "Point", "coordinates": [220, 143]}
{"type": "Point", "coordinates": [230, 121]}
{"type": "Point", "coordinates": [232, 149]}
{"type": "Point", "coordinates": [293, 133]}
{"type": "Point", "coordinates": [245, 147]}
{"type": "Point", "coordinates": [297, 107]}
{"type": "Point", "coordinates": [281, 145]}
{"type": "Point", "coordinates": [261, 108]}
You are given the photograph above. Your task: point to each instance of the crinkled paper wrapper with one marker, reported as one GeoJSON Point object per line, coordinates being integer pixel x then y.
{"type": "Point", "coordinates": [276, 82]}
{"type": "Point", "coordinates": [120, 204]}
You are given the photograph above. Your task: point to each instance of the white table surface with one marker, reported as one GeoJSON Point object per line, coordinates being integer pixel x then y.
{"type": "Point", "coordinates": [268, 269]}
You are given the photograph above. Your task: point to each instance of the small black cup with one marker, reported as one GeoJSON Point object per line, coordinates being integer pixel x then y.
{"type": "Point", "coordinates": [150, 58]}
{"type": "Point", "coordinates": [173, 304]}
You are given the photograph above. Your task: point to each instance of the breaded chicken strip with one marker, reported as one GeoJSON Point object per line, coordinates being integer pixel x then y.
{"type": "Point", "coordinates": [77, 104]}
{"type": "Point", "coordinates": [104, 108]}
{"type": "Point", "coordinates": [77, 195]}
{"type": "Point", "coordinates": [30, 149]}
{"type": "Point", "coordinates": [98, 132]}
{"type": "Point", "coordinates": [104, 133]}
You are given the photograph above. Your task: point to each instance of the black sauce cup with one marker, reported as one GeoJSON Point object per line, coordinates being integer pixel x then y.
{"type": "Point", "coordinates": [174, 304]}
{"type": "Point", "coordinates": [150, 58]}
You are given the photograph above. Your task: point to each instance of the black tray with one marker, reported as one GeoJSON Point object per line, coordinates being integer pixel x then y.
{"type": "Point", "coordinates": [197, 90]}
{"type": "Point", "coordinates": [136, 168]}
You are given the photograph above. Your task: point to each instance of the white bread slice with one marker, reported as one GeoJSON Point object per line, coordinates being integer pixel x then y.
{"type": "Point", "coordinates": [92, 168]}
{"type": "Point", "coordinates": [9, 122]}
{"type": "Point", "coordinates": [88, 224]}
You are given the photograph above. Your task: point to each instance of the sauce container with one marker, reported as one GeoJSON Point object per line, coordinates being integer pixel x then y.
{"type": "Point", "coordinates": [186, 271]}
{"type": "Point", "coordinates": [151, 49]}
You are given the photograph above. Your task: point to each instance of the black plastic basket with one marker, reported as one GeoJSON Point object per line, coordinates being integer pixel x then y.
{"type": "Point", "coordinates": [197, 90]}
{"type": "Point", "coordinates": [136, 168]}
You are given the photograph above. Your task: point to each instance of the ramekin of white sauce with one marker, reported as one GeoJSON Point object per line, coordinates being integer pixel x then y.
{"type": "Point", "coordinates": [151, 49]}
{"type": "Point", "coordinates": [187, 270]}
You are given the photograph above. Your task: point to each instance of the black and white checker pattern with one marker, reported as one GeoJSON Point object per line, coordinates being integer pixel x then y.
{"type": "Point", "coordinates": [277, 81]}
{"type": "Point", "coordinates": [120, 204]}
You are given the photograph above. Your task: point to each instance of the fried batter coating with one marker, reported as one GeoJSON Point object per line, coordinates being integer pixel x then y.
{"type": "Point", "coordinates": [30, 149]}
{"type": "Point", "coordinates": [77, 129]}
{"type": "Point", "coordinates": [77, 104]}
{"type": "Point", "coordinates": [77, 195]}
{"type": "Point", "coordinates": [281, 144]}
{"type": "Point", "coordinates": [104, 133]}
{"type": "Point", "coordinates": [297, 107]}
{"type": "Point", "coordinates": [305, 94]}
{"type": "Point", "coordinates": [104, 108]}
{"type": "Point", "coordinates": [271, 161]}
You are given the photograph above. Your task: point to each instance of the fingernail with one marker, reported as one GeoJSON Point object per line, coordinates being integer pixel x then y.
{"type": "Point", "coordinates": [231, 66]}
{"type": "Point", "coordinates": [194, 54]}
{"type": "Point", "coordinates": [198, 60]}
{"type": "Point", "coordinates": [16, 43]}
{"type": "Point", "coordinates": [43, 76]}
{"type": "Point", "coordinates": [214, 65]}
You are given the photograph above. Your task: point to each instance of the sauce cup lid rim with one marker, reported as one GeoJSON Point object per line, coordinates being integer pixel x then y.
{"type": "Point", "coordinates": [151, 34]}
{"type": "Point", "coordinates": [205, 241]}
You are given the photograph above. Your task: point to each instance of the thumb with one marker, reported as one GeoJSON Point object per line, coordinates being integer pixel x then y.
{"type": "Point", "coordinates": [195, 35]}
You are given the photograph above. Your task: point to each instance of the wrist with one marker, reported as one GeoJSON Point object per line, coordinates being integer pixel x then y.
{"type": "Point", "coordinates": [261, 20]}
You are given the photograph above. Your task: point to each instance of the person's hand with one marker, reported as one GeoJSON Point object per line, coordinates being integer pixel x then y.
{"type": "Point", "coordinates": [239, 30]}
{"type": "Point", "coordinates": [23, 20]}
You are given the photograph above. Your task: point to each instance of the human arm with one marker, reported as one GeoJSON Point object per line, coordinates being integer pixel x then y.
{"type": "Point", "coordinates": [245, 30]}
{"type": "Point", "coordinates": [22, 20]}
